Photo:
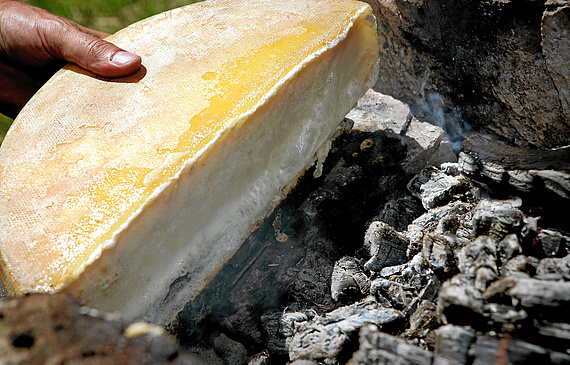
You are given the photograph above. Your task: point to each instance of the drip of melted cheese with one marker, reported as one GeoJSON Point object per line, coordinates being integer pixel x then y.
{"type": "Point", "coordinates": [113, 188]}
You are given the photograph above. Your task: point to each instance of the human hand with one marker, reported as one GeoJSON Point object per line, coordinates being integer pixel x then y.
{"type": "Point", "coordinates": [34, 44]}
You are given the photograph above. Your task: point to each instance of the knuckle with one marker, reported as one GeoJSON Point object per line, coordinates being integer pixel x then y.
{"type": "Point", "coordinates": [49, 30]}
{"type": "Point", "coordinates": [97, 50]}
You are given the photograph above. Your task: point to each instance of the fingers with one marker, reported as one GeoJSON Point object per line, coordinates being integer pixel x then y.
{"type": "Point", "coordinates": [70, 42]}
{"type": "Point", "coordinates": [100, 52]}
{"type": "Point", "coordinates": [34, 37]}
{"type": "Point", "coordinates": [96, 55]}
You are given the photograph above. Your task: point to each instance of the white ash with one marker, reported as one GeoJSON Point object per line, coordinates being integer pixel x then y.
{"type": "Point", "coordinates": [434, 187]}
{"type": "Point", "coordinates": [323, 336]}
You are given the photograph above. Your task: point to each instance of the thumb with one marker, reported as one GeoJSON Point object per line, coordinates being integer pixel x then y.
{"type": "Point", "coordinates": [94, 54]}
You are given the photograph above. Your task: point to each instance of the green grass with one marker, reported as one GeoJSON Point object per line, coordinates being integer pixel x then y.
{"type": "Point", "coordinates": [104, 15]}
{"type": "Point", "coordinates": [107, 15]}
{"type": "Point", "coordinates": [5, 123]}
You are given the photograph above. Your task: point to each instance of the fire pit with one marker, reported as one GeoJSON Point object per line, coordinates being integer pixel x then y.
{"type": "Point", "coordinates": [402, 249]}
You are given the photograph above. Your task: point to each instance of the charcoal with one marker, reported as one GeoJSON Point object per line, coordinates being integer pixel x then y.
{"type": "Point", "coordinates": [397, 294]}
{"type": "Point", "coordinates": [398, 213]}
{"type": "Point", "coordinates": [450, 168]}
{"type": "Point", "coordinates": [259, 359]}
{"type": "Point", "coordinates": [469, 164]}
{"type": "Point", "coordinates": [499, 287]}
{"type": "Point", "coordinates": [532, 264]}
{"type": "Point", "coordinates": [386, 246]}
{"type": "Point", "coordinates": [429, 292]}
{"type": "Point", "coordinates": [521, 180]}
{"type": "Point", "coordinates": [497, 218]}
{"type": "Point", "coordinates": [460, 302]}
{"type": "Point", "coordinates": [530, 226]}
{"type": "Point", "coordinates": [541, 294]}
{"type": "Point", "coordinates": [508, 248]}
{"type": "Point", "coordinates": [412, 272]}
{"type": "Point", "coordinates": [518, 266]}
{"type": "Point", "coordinates": [492, 171]}
{"type": "Point", "coordinates": [431, 219]}
{"type": "Point", "coordinates": [547, 299]}
{"type": "Point", "coordinates": [556, 334]}
{"type": "Point", "coordinates": [405, 285]}
{"type": "Point", "coordinates": [557, 182]}
{"type": "Point", "coordinates": [452, 344]}
{"type": "Point", "coordinates": [437, 251]}
{"type": "Point", "coordinates": [423, 320]}
{"type": "Point", "coordinates": [558, 358]}
{"type": "Point", "coordinates": [483, 276]}
{"type": "Point", "coordinates": [553, 243]}
{"type": "Point", "coordinates": [434, 187]}
{"type": "Point", "coordinates": [290, 322]}
{"type": "Point", "coordinates": [380, 348]}
{"type": "Point", "coordinates": [492, 350]}
{"type": "Point", "coordinates": [347, 277]}
{"type": "Point", "coordinates": [324, 337]}
{"type": "Point", "coordinates": [448, 225]}
{"type": "Point", "coordinates": [415, 235]}
{"type": "Point", "coordinates": [461, 345]}
{"type": "Point", "coordinates": [465, 226]}
{"type": "Point", "coordinates": [478, 259]}
{"type": "Point", "coordinates": [502, 313]}
{"type": "Point", "coordinates": [557, 266]}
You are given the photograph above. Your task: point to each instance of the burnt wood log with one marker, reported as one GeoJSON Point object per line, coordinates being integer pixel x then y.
{"type": "Point", "coordinates": [381, 348]}
{"type": "Point", "coordinates": [507, 350]}
{"type": "Point", "coordinates": [502, 168]}
{"type": "Point", "coordinates": [513, 158]}
{"type": "Point", "coordinates": [324, 337]}
{"type": "Point", "coordinates": [452, 344]}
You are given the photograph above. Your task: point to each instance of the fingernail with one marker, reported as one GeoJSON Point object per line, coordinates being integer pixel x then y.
{"type": "Point", "coordinates": [122, 57]}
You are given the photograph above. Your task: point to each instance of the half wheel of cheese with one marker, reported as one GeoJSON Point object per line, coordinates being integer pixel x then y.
{"type": "Point", "coordinates": [113, 188]}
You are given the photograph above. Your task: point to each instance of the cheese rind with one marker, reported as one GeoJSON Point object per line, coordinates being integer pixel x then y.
{"type": "Point", "coordinates": [111, 189]}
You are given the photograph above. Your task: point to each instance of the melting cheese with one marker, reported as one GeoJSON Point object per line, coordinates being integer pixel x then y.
{"type": "Point", "coordinates": [111, 189]}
